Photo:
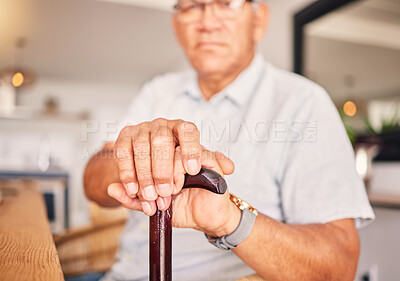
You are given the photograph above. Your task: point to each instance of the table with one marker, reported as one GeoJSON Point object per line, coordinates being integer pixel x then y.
{"type": "Point", "coordinates": [27, 250]}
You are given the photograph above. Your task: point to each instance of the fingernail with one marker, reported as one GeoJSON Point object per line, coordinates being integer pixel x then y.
{"type": "Point", "coordinates": [132, 189]}
{"type": "Point", "coordinates": [150, 193]}
{"type": "Point", "coordinates": [160, 203]}
{"type": "Point", "coordinates": [164, 189]}
{"type": "Point", "coordinates": [192, 166]}
{"type": "Point", "coordinates": [146, 207]}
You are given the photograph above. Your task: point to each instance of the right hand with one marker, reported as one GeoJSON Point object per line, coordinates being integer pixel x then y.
{"type": "Point", "coordinates": [195, 208]}
{"type": "Point", "coordinates": [145, 159]}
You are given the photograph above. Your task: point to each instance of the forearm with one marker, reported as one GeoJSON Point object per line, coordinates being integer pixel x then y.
{"type": "Point", "coordinates": [100, 172]}
{"type": "Point", "coordinates": [279, 251]}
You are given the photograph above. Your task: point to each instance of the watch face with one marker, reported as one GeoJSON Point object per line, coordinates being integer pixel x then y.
{"type": "Point", "coordinates": [241, 204]}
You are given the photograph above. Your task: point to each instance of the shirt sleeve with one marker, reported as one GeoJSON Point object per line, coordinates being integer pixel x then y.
{"type": "Point", "coordinates": [320, 183]}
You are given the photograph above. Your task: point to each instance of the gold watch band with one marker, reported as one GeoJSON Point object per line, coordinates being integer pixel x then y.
{"type": "Point", "coordinates": [241, 204]}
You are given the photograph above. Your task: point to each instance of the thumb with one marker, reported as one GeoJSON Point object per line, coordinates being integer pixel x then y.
{"type": "Point", "coordinates": [225, 163]}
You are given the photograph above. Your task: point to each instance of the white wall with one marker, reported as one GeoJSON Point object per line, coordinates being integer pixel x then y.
{"type": "Point", "coordinates": [20, 139]}
{"type": "Point", "coordinates": [277, 46]}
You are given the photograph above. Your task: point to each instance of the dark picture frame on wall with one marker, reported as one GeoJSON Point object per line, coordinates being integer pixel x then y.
{"type": "Point", "coordinates": [389, 142]}
{"type": "Point", "coordinates": [310, 13]}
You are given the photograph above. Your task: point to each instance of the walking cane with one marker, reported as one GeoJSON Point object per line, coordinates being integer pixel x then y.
{"type": "Point", "coordinates": [160, 236]}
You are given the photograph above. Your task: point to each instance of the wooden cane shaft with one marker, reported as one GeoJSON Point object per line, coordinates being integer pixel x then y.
{"type": "Point", "coordinates": [160, 245]}
{"type": "Point", "coordinates": [160, 236]}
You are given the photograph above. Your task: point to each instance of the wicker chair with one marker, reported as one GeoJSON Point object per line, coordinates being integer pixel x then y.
{"type": "Point", "coordinates": [92, 248]}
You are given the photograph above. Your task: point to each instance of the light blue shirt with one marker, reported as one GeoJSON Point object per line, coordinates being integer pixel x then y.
{"type": "Point", "coordinates": [293, 161]}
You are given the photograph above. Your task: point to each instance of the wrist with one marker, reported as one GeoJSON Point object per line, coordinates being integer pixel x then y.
{"type": "Point", "coordinates": [230, 223]}
{"type": "Point", "coordinates": [230, 239]}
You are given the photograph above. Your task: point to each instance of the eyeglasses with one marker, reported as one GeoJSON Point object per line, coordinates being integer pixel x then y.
{"type": "Point", "coordinates": [192, 11]}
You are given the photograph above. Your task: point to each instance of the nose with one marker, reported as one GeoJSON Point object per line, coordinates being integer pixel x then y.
{"type": "Point", "coordinates": [209, 20]}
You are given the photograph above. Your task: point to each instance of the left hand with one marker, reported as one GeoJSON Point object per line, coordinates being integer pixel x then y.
{"type": "Point", "coordinates": [215, 215]}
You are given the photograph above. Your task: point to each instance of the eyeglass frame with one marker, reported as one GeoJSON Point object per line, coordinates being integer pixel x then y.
{"type": "Point", "coordinates": [177, 6]}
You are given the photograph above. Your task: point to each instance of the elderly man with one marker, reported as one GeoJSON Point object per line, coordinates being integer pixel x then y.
{"type": "Point", "coordinates": [293, 161]}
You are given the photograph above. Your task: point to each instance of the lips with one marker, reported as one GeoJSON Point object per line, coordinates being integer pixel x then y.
{"type": "Point", "coordinates": [209, 45]}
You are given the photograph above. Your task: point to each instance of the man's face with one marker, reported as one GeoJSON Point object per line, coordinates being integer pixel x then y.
{"type": "Point", "coordinates": [216, 46]}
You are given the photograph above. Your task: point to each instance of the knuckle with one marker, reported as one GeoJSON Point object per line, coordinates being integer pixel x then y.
{"type": "Point", "coordinates": [160, 154]}
{"type": "Point", "coordinates": [122, 154]}
{"type": "Point", "coordinates": [141, 151]}
{"type": "Point", "coordinates": [126, 175]}
{"type": "Point", "coordinates": [159, 139]}
{"type": "Point", "coordinates": [140, 144]}
{"type": "Point", "coordinates": [191, 126]}
{"type": "Point", "coordinates": [162, 174]}
{"type": "Point", "coordinates": [162, 138]}
{"type": "Point", "coordinates": [160, 121]}
{"type": "Point", "coordinates": [190, 152]}
{"type": "Point", "coordinates": [189, 131]}
{"type": "Point", "coordinates": [161, 180]}
{"type": "Point", "coordinates": [127, 130]}
{"type": "Point", "coordinates": [138, 140]}
{"type": "Point", "coordinates": [123, 131]}
{"type": "Point", "coordinates": [208, 157]}
{"type": "Point", "coordinates": [125, 136]}
{"type": "Point", "coordinates": [142, 128]}
{"type": "Point", "coordinates": [187, 126]}
{"type": "Point", "coordinates": [144, 176]}
{"type": "Point", "coordinates": [195, 136]}
{"type": "Point", "coordinates": [220, 156]}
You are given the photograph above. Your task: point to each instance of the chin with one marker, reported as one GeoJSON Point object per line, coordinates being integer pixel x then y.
{"type": "Point", "coordinates": [210, 64]}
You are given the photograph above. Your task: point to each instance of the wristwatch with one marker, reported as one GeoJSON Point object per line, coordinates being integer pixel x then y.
{"type": "Point", "coordinates": [241, 232]}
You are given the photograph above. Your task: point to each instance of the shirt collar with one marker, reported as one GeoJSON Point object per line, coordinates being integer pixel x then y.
{"type": "Point", "coordinates": [239, 91]}
{"type": "Point", "coordinates": [191, 87]}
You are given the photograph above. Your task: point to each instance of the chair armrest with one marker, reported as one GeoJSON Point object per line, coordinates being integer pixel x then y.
{"type": "Point", "coordinates": [86, 230]}
{"type": "Point", "coordinates": [89, 249]}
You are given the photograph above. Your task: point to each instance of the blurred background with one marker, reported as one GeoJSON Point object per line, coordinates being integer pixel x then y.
{"type": "Point", "coordinates": [70, 68]}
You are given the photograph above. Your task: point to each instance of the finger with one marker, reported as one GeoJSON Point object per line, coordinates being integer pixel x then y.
{"type": "Point", "coordinates": [124, 157]}
{"type": "Point", "coordinates": [117, 191]}
{"type": "Point", "coordinates": [142, 158]}
{"type": "Point", "coordinates": [163, 203]}
{"type": "Point", "coordinates": [227, 166]}
{"type": "Point", "coordinates": [179, 171]}
{"type": "Point", "coordinates": [189, 139]}
{"type": "Point", "coordinates": [209, 161]}
{"type": "Point", "coordinates": [162, 157]}
{"type": "Point", "coordinates": [149, 207]}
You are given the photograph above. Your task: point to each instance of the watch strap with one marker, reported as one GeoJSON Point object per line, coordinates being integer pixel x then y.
{"type": "Point", "coordinates": [241, 232]}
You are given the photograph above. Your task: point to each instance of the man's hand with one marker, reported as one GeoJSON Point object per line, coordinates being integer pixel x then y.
{"type": "Point", "coordinates": [153, 158]}
{"type": "Point", "coordinates": [194, 208]}
{"type": "Point", "coordinates": [145, 159]}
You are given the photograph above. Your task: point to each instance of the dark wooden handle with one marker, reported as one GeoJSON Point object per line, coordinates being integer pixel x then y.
{"type": "Point", "coordinates": [160, 236]}
{"type": "Point", "coordinates": [206, 179]}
